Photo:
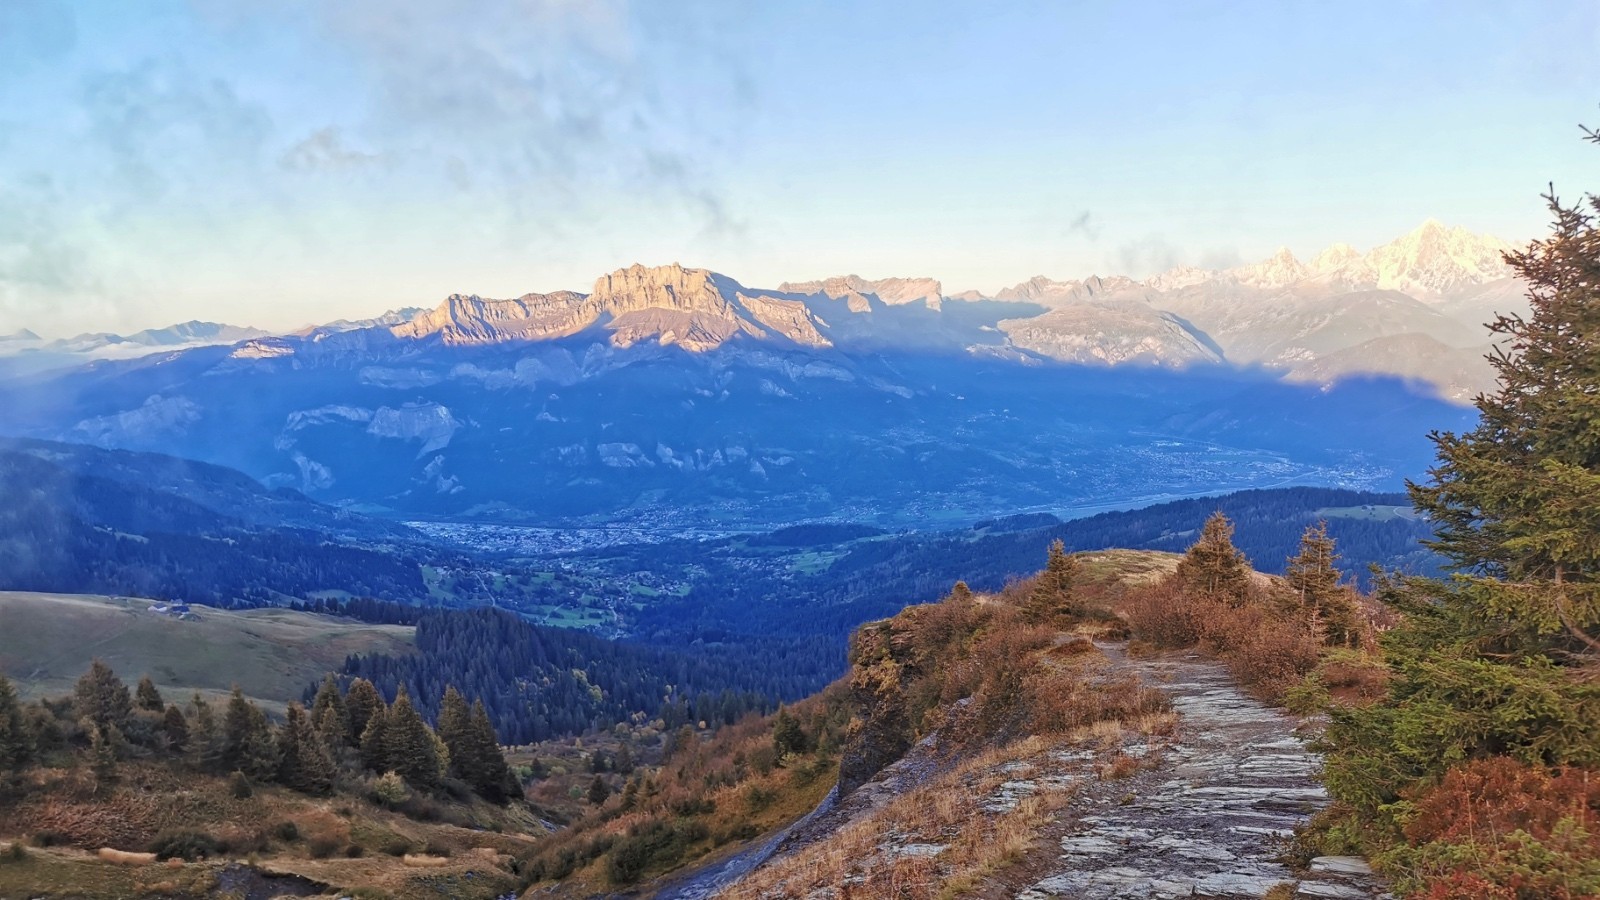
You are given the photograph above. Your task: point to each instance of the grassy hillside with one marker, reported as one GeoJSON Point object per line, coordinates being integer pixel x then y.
{"type": "Point", "coordinates": [48, 640]}
{"type": "Point", "coordinates": [344, 845]}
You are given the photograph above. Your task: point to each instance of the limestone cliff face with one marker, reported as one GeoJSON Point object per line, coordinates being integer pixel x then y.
{"type": "Point", "coordinates": [789, 318]}
{"type": "Point", "coordinates": [671, 305]}
{"type": "Point", "coordinates": [470, 319]}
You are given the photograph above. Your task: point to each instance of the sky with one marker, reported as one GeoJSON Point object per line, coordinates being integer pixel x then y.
{"type": "Point", "coordinates": [283, 162]}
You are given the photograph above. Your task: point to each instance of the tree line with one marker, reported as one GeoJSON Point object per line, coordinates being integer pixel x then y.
{"type": "Point", "coordinates": [345, 731]}
{"type": "Point", "coordinates": [538, 682]}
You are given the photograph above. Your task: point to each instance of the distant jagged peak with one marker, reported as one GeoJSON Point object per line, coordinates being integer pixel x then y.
{"type": "Point", "coordinates": [1431, 260]}
{"type": "Point", "coordinates": [1180, 277]}
{"type": "Point", "coordinates": [195, 331]}
{"type": "Point", "coordinates": [1335, 257]}
{"type": "Point", "coordinates": [388, 318]}
{"type": "Point", "coordinates": [1280, 270]}
{"type": "Point", "coordinates": [1049, 292]}
{"type": "Point", "coordinates": [889, 291]}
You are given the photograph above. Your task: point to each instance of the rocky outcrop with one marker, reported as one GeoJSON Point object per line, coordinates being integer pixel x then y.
{"type": "Point", "coordinates": [431, 424]}
{"type": "Point", "coordinates": [695, 309]}
{"type": "Point", "coordinates": [470, 319]}
{"type": "Point", "coordinates": [789, 318]}
{"type": "Point", "coordinates": [880, 732]}
{"type": "Point", "coordinates": [1109, 334]}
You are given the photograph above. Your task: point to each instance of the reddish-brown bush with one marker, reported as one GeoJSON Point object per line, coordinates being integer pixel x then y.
{"type": "Point", "coordinates": [1490, 798]}
{"type": "Point", "coordinates": [1161, 614]}
{"type": "Point", "coordinates": [1266, 651]}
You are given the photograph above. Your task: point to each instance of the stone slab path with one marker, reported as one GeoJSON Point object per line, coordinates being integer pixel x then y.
{"type": "Point", "coordinates": [1210, 816]}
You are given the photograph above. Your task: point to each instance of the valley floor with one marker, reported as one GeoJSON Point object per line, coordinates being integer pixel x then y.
{"type": "Point", "coordinates": [1201, 804]}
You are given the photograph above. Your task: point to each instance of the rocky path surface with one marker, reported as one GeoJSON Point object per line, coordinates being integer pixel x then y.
{"type": "Point", "coordinates": [1210, 814]}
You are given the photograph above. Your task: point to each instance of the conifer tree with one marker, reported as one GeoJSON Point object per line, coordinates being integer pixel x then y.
{"type": "Point", "coordinates": [101, 697]}
{"type": "Point", "coordinates": [328, 713]}
{"type": "Point", "coordinates": [148, 698]}
{"type": "Point", "coordinates": [176, 729]}
{"type": "Point", "coordinates": [205, 737]}
{"type": "Point", "coordinates": [410, 744]}
{"type": "Point", "coordinates": [16, 738]}
{"type": "Point", "coordinates": [961, 593]}
{"type": "Point", "coordinates": [599, 792]}
{"type": "Point", "coordinates": [492, 777]}
{"type": "Point", "coordinates": [375, 741]}
{"type": "Point", "coordinates": [624, 763]}
{"type": "Point", "coordinates": [1053, 589]}
{"type": "Point", "coordinates": [102, 753]}
{"type": "Point", "coordinates": [304, 764]}
{"type": "Point", "coordinates": [1313, 575]}
{"type": "Point", "coordinates": [455, 721]}
{"type": "Point", "coordinates": [1213, 567]}
{"type": "Point", "coordinates": [247, 742]}
{"type": "Point", "coordinates": [787, 735]}
{"type": "Point", "coordinates": [1503, 658]}
{"type": "Point", "coordinates": [362, 702]}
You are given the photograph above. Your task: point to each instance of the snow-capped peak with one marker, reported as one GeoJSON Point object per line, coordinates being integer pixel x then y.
{"type": "Point", "coordinates": [1434, 259]}
{"type": "Point", "coordinates": [1281, 270]}
{"type": "Point", "coordinates": [1430, 261]}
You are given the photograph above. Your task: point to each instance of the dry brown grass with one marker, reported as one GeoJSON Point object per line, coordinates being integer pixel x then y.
{"type": "Point", "coordinates": [425, 862]}
{"type": "Point", "coordinates": [1028, 700]}
{"type": "Point", "coordinates": [919, 844]}
{"type": "Point", "coordinates": [1266, 646]}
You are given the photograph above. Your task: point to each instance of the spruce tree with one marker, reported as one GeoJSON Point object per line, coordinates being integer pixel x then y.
{"type": "Point", "coordinates": [101, 697]}
{"type": "Point", "coordinates": [1502, 657]}
{"type": "Point", "coordinates": [304, 762]}
{"type": "Point", "coordinates": [102, 755]}
{"type": "Point", "coordinates": [409, 744]}
{"type": "Point", "coordinates": [1213, 567]}
{"type": "Point", "coordinates": [1053, 589]}
{"type": "Point", "coordinates": [455, 722]}
{"type": "Point", "coordinates": [961, 593]}
{"type": "Point", "coordinates": [362, 702]}
{"type": "Point", "coordinates": [787, 735]}
{"type": "Point", "coordinates": [598, 791]}
{"type": "Point", "coordinates": [205, 737]}
{"type": "Point", "coordinates": [1313, 576]}
{"type": "Point", "coordinates": [492, 777]}
{"type": "Point", "coordinates": [176, 729]}
{"type": "Point", "coordinates": [375, 742]}
{"type": "Point", "coordinates": [148, 698]}
{"type": "Point", "coordinates": [247, 742]}
{"type": "Point", "coordinates": [329, 715]}
{"type": "Point", "coordinates": [16, 738]}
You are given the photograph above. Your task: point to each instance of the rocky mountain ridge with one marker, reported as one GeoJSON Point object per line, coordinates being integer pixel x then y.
{"type": "Point", "coordinates": [1342, 314]}
{"type": "Point", "coordinates": [1354, 313]}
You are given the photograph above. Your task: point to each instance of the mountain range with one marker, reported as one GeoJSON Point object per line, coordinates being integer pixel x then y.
{"type": "Point", "coordinates": [679, 395]}
{"type": "Point", "coordinates": [1414, 307]}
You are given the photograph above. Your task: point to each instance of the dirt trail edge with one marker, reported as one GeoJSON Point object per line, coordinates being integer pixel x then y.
{"type": "Point", "coordinates": [1210, 816]}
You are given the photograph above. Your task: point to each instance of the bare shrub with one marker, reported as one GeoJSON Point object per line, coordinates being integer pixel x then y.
{"type": "Point", "coordinates": [1162, 614]}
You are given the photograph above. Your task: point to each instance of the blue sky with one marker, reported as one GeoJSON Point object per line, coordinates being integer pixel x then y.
{"type": "Point", "coordinates": [280, 162]}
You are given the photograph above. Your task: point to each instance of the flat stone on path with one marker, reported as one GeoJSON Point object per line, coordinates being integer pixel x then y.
{"type": "Point", "coordinates": [1213, 818]}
